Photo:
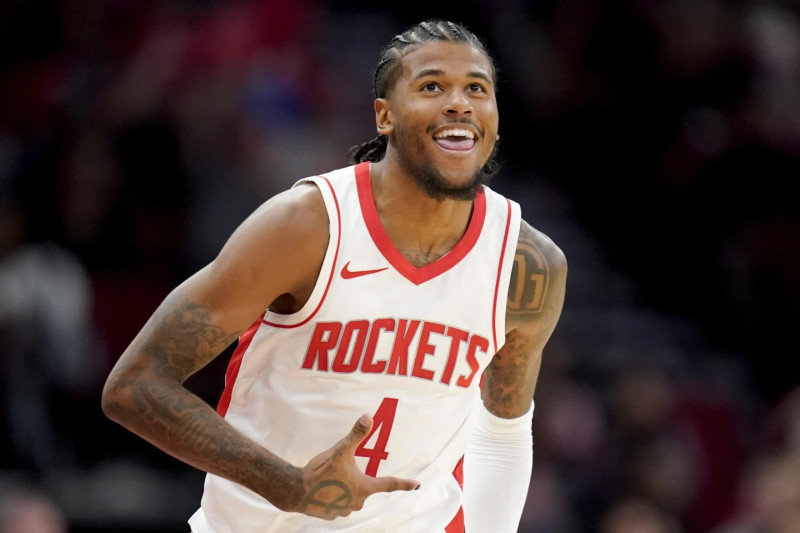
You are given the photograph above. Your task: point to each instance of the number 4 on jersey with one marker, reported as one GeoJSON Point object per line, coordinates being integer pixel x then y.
{"type": "Point", "coordinates": [382, 422]}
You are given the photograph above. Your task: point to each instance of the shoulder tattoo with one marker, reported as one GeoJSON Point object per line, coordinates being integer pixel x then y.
{"type": "Point", "coordinates": [530, 278]}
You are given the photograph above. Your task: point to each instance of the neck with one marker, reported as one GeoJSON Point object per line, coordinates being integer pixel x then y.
{"type": "Point", "coordinates": [421, 228]}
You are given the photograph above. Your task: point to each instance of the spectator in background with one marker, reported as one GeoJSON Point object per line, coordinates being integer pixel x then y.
{"type": "Point", "coordinates": [768, 497]}
{"type": "Point", "coordinates": [30, 511]}
{"type": "Point", "coordinates": [638, 516]}
{"type": "Point", "coordinates": [46, 342]}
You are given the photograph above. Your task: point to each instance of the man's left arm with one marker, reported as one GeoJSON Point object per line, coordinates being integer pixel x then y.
{"type": "Point", "coordinates": [499, 457]}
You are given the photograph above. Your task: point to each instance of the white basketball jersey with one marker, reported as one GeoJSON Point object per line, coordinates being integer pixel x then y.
{"type": "Point", "coordinates": [381, 336]}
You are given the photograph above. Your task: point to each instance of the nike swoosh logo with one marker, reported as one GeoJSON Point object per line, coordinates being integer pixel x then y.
{"type": "Point", "coordinates": [349, 274]}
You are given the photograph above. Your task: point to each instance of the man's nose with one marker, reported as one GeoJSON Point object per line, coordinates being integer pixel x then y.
{"type": "Point", "coordinates": [458, 104]}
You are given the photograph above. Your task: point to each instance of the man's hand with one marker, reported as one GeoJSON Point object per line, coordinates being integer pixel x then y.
{"type": "Point", "coordinates": [334, 484]}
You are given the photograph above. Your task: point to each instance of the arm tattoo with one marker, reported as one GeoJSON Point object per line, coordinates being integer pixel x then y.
{"type": "Point", "coordinates": [535, 297]}
{"type": "Point", "coordinates": [506, 377]}
{"type": "Point", "coordinates": [530, 279]}
{"type": "Point", "coordinates": [181, 338]}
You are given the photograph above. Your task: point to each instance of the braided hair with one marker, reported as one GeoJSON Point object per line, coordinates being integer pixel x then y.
{"type": "Point", "coordinates": [388, 71]}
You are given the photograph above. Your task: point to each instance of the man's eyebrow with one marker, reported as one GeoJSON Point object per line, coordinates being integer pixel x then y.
{"type": "Point", "coordinates": [439, 72]}
{"type": "Point", "coordinates": [429, 72]}
{"type": "Point", "coordinates": [480, 75]}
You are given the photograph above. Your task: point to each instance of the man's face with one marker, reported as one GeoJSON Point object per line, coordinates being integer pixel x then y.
{"type": "Point", "coordinates": [441, 118]}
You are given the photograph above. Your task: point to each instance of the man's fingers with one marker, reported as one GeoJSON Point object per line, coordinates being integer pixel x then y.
{"type": "Point", "coordinates": [360, 431]}
{"type": "Point", "coordinates": [391, 484]}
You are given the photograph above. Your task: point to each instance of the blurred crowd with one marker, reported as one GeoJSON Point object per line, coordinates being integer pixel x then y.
{"type": "Point", "coordinates": [657, 141]}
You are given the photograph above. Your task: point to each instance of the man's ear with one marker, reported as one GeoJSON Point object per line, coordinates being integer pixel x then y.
{"type": "Point", "coordinates": [383, 117]}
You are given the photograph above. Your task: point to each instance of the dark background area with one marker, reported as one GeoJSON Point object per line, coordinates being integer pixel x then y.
{"type": "Point", "coordinates": [657, 142]}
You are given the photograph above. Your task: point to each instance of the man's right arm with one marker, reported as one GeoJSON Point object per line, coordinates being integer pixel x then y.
{"type": "Point", "coordinates": [194, 324]}
{"type": "Point", "coordinates": [276, 252]}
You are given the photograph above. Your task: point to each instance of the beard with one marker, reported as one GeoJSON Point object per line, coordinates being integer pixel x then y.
{"type": "Point", "coordinates": [431, 181]}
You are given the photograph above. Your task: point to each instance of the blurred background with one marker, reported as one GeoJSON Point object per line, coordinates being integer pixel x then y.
{"type": "Point", "coordinates": [656, 141]}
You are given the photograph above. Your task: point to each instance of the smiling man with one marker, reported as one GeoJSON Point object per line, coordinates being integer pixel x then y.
{"type": "Point", "coordinates": [390, 318]}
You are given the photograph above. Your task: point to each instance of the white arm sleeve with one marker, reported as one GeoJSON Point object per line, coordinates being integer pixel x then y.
{"type": "Point", "coordinates": [497, 471]}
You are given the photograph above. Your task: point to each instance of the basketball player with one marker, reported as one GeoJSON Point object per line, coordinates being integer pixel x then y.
{"type": "Point", "coordinates": [390, 319]}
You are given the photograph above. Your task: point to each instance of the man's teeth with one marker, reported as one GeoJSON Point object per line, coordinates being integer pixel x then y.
{"type": "Point", "coordinates": [455, 133]}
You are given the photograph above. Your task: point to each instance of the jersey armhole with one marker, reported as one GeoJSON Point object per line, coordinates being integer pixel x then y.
{"type": "Point", "coordinates": [326, 273]}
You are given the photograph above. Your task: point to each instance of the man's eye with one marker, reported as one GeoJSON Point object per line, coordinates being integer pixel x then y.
{"type": "Point", "coordinates": [430, 86]}
{"type": "Point", "coordinates": [476, 87]}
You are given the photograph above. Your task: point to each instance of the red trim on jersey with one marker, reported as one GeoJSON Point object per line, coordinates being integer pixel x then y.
{"type": "Point", "coordinates": [333, 266]}
{"type": "Point", "coordinates": [235, 364]}
{"type": "Point", "coordinates": [456, 525]}
{"type": "Point", "coordinates": [415, 275]}
{"type": "Point", "coordinates": [499, 272]}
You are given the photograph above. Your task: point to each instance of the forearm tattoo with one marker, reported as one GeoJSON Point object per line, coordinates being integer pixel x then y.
{"type": "Point", "coordinates": [180, 339]}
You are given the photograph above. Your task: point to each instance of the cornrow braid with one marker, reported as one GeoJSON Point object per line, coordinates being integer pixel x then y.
{"type": "Point", "coordinates": [388, 70]}
{"type": "Point", "coordinates": [372, 150]}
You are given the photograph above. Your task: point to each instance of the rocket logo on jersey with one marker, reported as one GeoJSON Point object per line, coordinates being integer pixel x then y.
{"type": "Point", "coordinates": [399, 347]}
